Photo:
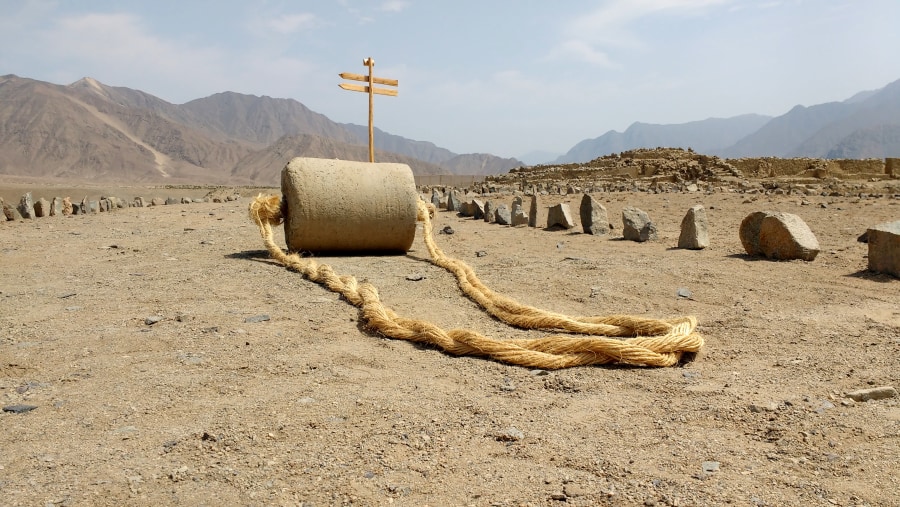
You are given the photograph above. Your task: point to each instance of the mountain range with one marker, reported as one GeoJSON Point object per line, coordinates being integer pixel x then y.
{"type": "Point", "coordinates": [866, 125]}
{"type": "Point", "coordinates": [88, 131]}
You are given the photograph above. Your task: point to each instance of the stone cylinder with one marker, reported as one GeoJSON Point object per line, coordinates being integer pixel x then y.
{"type": "Point", "coordinates": [334, 206]}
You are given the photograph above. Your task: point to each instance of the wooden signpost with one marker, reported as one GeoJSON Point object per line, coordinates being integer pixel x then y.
{"type": "Point", "coordinates": [371, 90]}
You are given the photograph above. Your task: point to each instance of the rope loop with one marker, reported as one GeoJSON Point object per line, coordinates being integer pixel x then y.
{"type": "Point", "coordinates": [608, 339]}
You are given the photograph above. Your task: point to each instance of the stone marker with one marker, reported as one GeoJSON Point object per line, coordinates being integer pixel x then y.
{"type": "Point", "coordinates": [93, 206]}
{"type": "Point", "coordinates": [884, 248]}
{"type": "Point", "coordinates": [465, 209]}
{"type": "Point", "coordinates": [10, 212]}
{"type": "Point", "coordinates": [778, 235]}
{"type": "Point", "coordinates": [477, 209]}
{"type": "Point", "coordinates": [533, 210]}
{"type": "Point", "coordinates": [694, 229]}
{"type": "Point", "coordinates": [489, 212]}
{"type": "Point", "coordinates": [138, 202]}
{"type": "Point", "coordinates": [55, 207]}
{"type": "Point", "coordinates": [518, 215]}
{"type": "Point", "coordinates": [171, 200]}
{"type": "Point", "coordinates": [502, 215]}
{"type": "Point", "coordinates": [436, 198]}
{"type": "Point", "coordinates": [637, 225]}
{"type": "Point", "coordinates": [157, 201]}
{"type": "Point", "coordinates": [594, 218]}
{"type": "Point", "coordinates": [561, 216]}
{"type": "Point", "coordinates": [26, 206]}
{"type": "Point", "coordinates": [453, 201]}
{"type": "Point", "coordinates": [41, 208]}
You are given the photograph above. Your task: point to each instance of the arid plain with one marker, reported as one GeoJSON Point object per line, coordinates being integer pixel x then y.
{"type": "Point", "coordinates": [172, 363]}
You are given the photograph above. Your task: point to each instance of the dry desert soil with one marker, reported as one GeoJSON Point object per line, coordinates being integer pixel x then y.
{"type": "Point", "coordinates": [255, 386]}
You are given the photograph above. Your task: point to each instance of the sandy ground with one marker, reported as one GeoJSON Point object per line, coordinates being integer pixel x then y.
{"type": "Point", "coordinates": [214, 405]}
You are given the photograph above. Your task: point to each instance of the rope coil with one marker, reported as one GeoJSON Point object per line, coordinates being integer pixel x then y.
{"type": "Point", "coordinates": [610, 339]}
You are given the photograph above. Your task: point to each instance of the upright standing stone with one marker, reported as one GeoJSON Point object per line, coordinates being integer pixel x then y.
{"type": "Point", "coordinates": [453, 201]}
{"type": "Point", "coordinates": [884, 248]}
{"type": "Point", "coordinates": [489, 210]}
{"type": "Point", "coordinates": [502, 215]}
{"type": "Point", "coordinates": [637, 225]}
{"type": "Point", "coordinates": [594, 218]}
{"type": "Point", "coordinates": [694, 229]}
{"type": "Point", "coordinates": [477, 209]}
{"type": "Point", "coordinates": [157, 201]}
{"type": "Point", "coordinates": [138, 202]}
{"type": "Point", "coordinates": [436, 198]}
{"type": "Point", "coordinates": [560, 215]}
{"type": "Point", "coordinates": [782, 236]}
{"type": "Point", "coordinates": [85, 206]}
{"type": "Point", "coordinates": [10, 212]}
{"type": "Point", "coordinates": [519, 217]}
{"type": "Point", "coordinates": [533, 210]}
{"type": "Point", "coordinates": [41, 208]}
{"type": "Point", "coordinates": [55, 207]}
{"type": "Point", "coordinates": [26, 206]}
{"type": "Point", "coordinates": [67, 206]}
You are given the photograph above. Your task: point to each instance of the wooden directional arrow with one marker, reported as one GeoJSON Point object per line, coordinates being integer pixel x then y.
{"type": "Point", "coordinates": [371, 90]}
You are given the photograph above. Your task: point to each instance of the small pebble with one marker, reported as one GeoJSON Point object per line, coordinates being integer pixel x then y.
{"type": "Point", "coordinates": [415, 277]}
{"type": "Point", "coordinates": [447, 230]}
{"type": "Point", "coordinates": [480, 253]}
{"type": "Point", "coordinates": [257, 318]}
{"type": "Point", "coordinates": [153, 319]}
{"type": "Point", "coordinates": [684, 292]}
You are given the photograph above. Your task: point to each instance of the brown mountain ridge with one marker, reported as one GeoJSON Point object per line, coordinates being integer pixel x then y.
{"type": "Point", "coordinates": [91, 132]}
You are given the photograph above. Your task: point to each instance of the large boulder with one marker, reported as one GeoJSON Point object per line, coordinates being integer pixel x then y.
{"type": "Point", "coordinates": [560, 215]}
{"type": "Point", "coordinates": [502, 215]}
{"type": "Point", "coordinates": [594, 218]}
{"type": "Point", "coordinates": [884, 248]}
{"type": "Point", "coordinates": [694, 229]}
{"type": "Point", "coordinates": [637, 225]}
{"type": "Point", "coordinates": [778, 235]}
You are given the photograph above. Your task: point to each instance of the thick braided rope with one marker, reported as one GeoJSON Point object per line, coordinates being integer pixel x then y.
{"type": "Point", "coordinates": [651, 343]}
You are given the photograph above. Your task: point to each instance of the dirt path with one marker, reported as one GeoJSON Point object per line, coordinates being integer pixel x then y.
{"type": "Point", "coordinates": [214, 405]}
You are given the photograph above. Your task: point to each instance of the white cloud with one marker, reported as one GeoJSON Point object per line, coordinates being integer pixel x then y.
{"type": "Point", "coordinates": [291, 23]}
{"type": "Point", "coordinates": [590, 37]}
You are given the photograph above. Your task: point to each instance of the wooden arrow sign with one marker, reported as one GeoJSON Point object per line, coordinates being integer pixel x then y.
{"type": "Point", "coordinates": [371, 90]}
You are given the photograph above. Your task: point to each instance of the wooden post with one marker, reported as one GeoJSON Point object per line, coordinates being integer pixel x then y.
{"type": "Point", "coordinates": [371, 80]}
{"type": "Point", "coordinates": [371, 64]}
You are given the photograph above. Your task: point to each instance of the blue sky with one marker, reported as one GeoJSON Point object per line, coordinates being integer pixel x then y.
{"type": "Point", "coordinates": [501, 77]}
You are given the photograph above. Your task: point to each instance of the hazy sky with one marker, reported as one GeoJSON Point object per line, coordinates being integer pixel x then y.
{"type": "Point", "coordinates": [501, 77]}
